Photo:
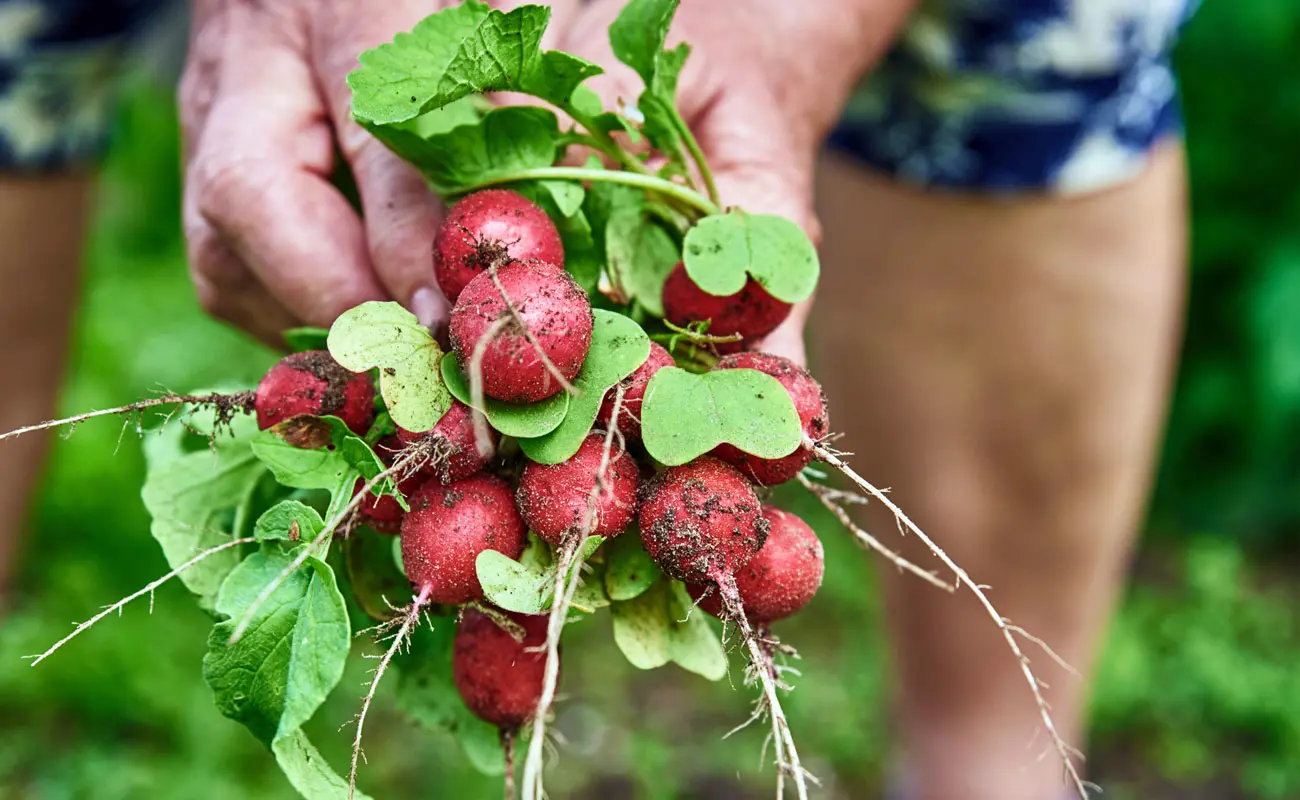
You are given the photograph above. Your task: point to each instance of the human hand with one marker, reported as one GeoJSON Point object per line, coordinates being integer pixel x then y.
{"type": "Point", "coordinates": [764, 82]}
{"type": "Point", "coordinates": [265, 112]}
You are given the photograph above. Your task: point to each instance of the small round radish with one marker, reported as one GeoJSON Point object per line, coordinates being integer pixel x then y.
{"type": "Point", "coordinates": [629, 415]}
{"type": "Point", "coordinates": [499, 678]}
{"type": "Point", "coordinates": [751, 312]}
{"type": "Point", "coordinates": [553, 498]}
{"type": "Point", "coordinates": [809, 403]}
{"type": "Point", "coordinates": [491, 227]}
{"type": "Point", "coordinates": [455, 455]}
{"type": "Point", "coordinates": [314, 383]}
{"type": "Point", "coordinates": [556, 312]}
{"type": "Point", "coordinates": [448, 526]}
{"type": "Point", "coordinates": [781, 579]}
{"type": "Point", "coordinates": [701, 521]}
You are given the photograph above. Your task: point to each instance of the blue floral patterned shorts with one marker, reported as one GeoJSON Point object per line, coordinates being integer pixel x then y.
{"type": "Point", "coordinates": [993, 95]}
{"type": "Point", "coordinates": [1005, 96]}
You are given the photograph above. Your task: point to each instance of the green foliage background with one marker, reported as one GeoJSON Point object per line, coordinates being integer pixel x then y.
{"type": "Point", "coordinates": [1198, 693]}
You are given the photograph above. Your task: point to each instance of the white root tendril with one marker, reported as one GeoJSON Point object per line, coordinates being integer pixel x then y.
{"type": "Point", "coordinates": [568, 575]}
{"type": "Point", "coordinates": [149, 590]}
{"type": "Point", "coordinates": [242, 401]}
{"type": "Point", "coordinates": [832, 498]}
{"type": "Point", "coordinates": [405, 624]}
{"type": "Point", "coordinates": [482, 436]}
{"type": "Point", "coordinates": [1009, 631]}
{"type": "Point", "coordinates": [409, 457]}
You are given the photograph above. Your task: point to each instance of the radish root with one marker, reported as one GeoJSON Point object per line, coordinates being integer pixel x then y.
{"type": "Point", "coordinates": [227, 406]}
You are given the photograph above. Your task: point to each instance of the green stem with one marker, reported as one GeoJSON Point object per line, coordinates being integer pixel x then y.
{"type": "Point", "coordinates": [696, 153]}
{"type": "Point", "coordinates": [606, 144]}
{"type": "Point", "coordinates": [687, 197]}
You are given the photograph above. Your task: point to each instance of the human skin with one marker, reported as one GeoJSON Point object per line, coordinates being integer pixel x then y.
{"type": "Point", "coordinates": [1016, 353]}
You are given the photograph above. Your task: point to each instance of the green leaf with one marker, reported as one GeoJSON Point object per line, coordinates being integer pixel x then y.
{"type": "Point", "coordinates": [590, 596]}
{"type": "Point", "coordinates": [568, 195]}
{"type": "Point", "coordinates": [581, 259]}
{"type": "Point", "coordinates": [289, 521]}
{"type": "Point", "coordinates": [467, 49]}
{"type": "Point", "coordinates": [661, 625]}
{"type": "Point", "coordinates": [303, 339]}
{"type": "Point", "coordinates": [638, 34]}
{"type": "Point", "coordinates": [685, 415]}
{"type": "Point", "coordinates": [722, 251]}
{"type": "Point", "coordinates": [387, 336]}
{"type": "Point", "coordinates": [398, 81]}
{"type": "Point", "coordinates": [318, 453]}
{"type": "Point", "coordinates": [641, 627]}
{"type": "Point", "coordinates": [629, 569]}
{"type": "Point", "coordinates": [504, 142]}
{"type": "Point", "coordinates": [197, 499]}
{"type": "Point", "coordinates": [640, 254]}
{"type": "Point", "coordinates": [292, 654]}
{"type": "Point", "coordinates": [618, 347]}
{"type": "Point", "coordinates": [694, 645]}
{"type": "Point", "coordinates": [512, 419]}
{"type": "Point", "coordinates": [524, 586]}
{"type": "Point", "coordinates": [427, 693]}
{"type": "Point", "coordinates": [375, 576]}
{"type": "Point", "coordinates": [308, 771]}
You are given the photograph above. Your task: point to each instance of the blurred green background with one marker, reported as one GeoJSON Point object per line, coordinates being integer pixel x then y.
{"type": "Point", "coordinates": [1199, 691]}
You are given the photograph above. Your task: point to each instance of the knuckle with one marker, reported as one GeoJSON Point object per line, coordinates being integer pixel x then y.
{"type": "Point", "coordinates": [225, 186]}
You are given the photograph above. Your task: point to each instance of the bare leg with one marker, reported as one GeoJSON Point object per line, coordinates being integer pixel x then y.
{"type": "Point", "coordinates": [42, 223]}
{"type": "Point", "coordinates": [1004, 367]}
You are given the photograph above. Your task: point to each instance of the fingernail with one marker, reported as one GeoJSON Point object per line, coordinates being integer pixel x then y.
{"type": "Point", "coordinates": [428, 306]}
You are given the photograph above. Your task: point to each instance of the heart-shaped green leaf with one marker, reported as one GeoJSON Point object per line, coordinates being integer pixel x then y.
{"type": "Point", "coordinates": [521, 420]}
{"type": "Point", "coordinates": [685, 415]}
{"type": "Point", "coordinates": [723, 250]}
{"type": "Point", "coordinates": [386, 336]}
{"type": "Point", "coordinates": [630, 570]}
{"type": "Point", "coordinates": [289, 521]}
{"type": "Point", "coordinates": [618, 347]}
{"type": "Point", "coordinates": [527, 585]}
{"type": "Point", "coordinates": [661, 625]}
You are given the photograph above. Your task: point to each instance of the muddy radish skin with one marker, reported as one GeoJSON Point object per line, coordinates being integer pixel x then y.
{"type": "Point", "coordinates": [751, 312]}
{"type": "Point", "coordinates": [491, 227]}
{"type": "Point", "coordinates": [809, 403]}
{"type": "Point", "coordinates": [781, 579]}
{"type": "Point", "coordinates": [456, 454]}
{"type": "Point", "coordinates": [314, 383]}
{"type": "Point", "coordinates": [448, 526]}
{"type": "Point", "coordinates": [553, 498]}
{"type": "Point", "coordinates": [556, 312]}
{"type": "Point", "coordinates": [499, 678]}
{"type": "Point", "coordinates": [701, 521]}
{"type": "Point", "coordinates": [629, 416]}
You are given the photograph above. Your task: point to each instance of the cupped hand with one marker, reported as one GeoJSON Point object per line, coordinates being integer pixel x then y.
{"type": "Point", "coordinates": [764, 82]}
{"type": "Point", "coordinates": [265, 115]}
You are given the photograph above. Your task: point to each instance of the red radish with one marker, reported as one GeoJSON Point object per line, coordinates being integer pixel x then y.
{"type": "Point", "coordinates": [448, 526]}
{"type": "Point", "coordinates": [558, 318]}
{"type": "Point", "coordinates": [499, 678]}
{"type": "Point", "coordinates": [491, 227]}
{"type": "Point", "coordinates": [701, 521]}
{"type": "Point", "coordinates": [629, 416]}
{"type": "Point", "coordinates": [314, 383]}
{"type": "Point", "coordinates": [456, 454]}
{"type": "Point", "coordinates": [751, 312]}
{"type": "Point", "coordinates": [781, 579]}
{"type": "Point", "coordinates": [553, 498]}
{"type": "Point", "coordinates": [809, 403]}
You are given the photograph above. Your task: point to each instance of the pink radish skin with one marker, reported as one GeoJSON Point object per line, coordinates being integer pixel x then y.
{"type": "Point", "coordinates": [499, 678]}
{"type": "Point", "coordinates": [781, 579]}
{"type": "Point", "coordinates": [448, 526]}
{"type": "Point", "coordinates": [751, 312]}
{"type": "Point", "coordinates": [456, 430]}
{"type": "Point", "coordinates": [314, 383]}
{"type": "Point", "coordinates": [809, 403]}
{"type": "Point", "coordinates": [553, 307]}
{"type": "Point", "coordinates": [553, 498]}
{"type": "Point", "coordinates": [629, 417]}
{"type": "Point", "coordinates": [701, 521]}
{"type": "Point", "coordinates": [493, 226]}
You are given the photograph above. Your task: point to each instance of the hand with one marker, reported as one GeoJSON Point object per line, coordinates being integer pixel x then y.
{"type": "Point", "coordinates": [265, 114]}
{"type": "Point", "coordinates": [764, 82]}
